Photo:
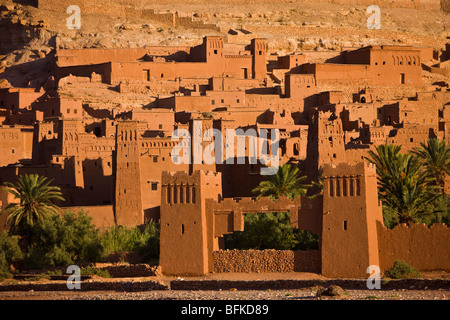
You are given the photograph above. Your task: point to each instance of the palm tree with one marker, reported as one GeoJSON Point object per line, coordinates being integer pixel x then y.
{"type": "Point", "coordinates": [286, 182]}
{"type": "Point", "coordinates": [435, 156]}
{"type": "Point", "coordinates": [385, 160]}
{"type": "Point", "coordinates": [36, 196]}
{"type": "Point", "coordinates": [403, 184]}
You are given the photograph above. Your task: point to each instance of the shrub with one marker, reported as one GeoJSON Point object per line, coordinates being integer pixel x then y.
{"type": "Point", "coordinates": [9, 252]}
{"type": "Point", "coordinates": [45, 275]}
{"type": "Point", "coordinates": [401, 270]}
{"type": "Point", "coordinates": [9, 245]}
{"type": "Point", "coordinates": [62, 240]}
{"type": "Point", "coordinates": [149, 250]}
{"type": "Point", "coordinates": [5, 271]}
{"type": "Point", "coordinates": [90, 271]}
{"type": "Point", "coordinates": [267, 231]}
{"type": "Point", "coordinates": [144, 242]}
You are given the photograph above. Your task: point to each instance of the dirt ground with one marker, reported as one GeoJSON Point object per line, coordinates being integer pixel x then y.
{"type": "Point", "coordinates": [291, 294]}
{"type": "Point", "coordinates": [308, 293]}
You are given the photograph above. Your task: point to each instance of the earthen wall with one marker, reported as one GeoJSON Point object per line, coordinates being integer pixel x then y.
{"type": "Point", "coordinates": [250, 261]}
{"type": "Point", "coordinates": [16, 143]}
{"type": "Point", "coordinates": [424, 248]}
{"type": "Point", "coordinates": [102, 216]}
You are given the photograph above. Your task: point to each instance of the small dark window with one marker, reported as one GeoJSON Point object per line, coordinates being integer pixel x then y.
{"type": "Point", "coordinates": [154, 186]}
{"type": "Point", "coordinates": [160, 126]}
{"type": "Point", "coordinates": [215, 51]}
{"type": "Point", "coordinates": [411, 140]}
{"type": "Point", "coordinates": [213, 102]}
{"type": "Point", "coordinates": [222, 101]}
{"type": "Point", "coordinates": [182, 229]}
{"type": "Point", "coordinates": [155, 159]}
{"type": "Point", "coordinates": [260, 52]}
{"type": "Point", "coordinates": [162, 75]}
{"type": "Point", "coordinates": [345, 224]}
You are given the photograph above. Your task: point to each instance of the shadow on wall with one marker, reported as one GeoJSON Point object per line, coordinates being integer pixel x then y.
{"type": "Point", "coordinates": [445, 5]}
{"type": "Point", "coordinates": [31, 74]}
{"type": "Point", "coordinates": [152, 214]}
{"type": "Point", "coordinates": [99, 114]}
{"type": "Point", "coordinates": [33, 3]}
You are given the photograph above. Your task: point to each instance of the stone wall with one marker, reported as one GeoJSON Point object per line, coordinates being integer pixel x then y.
{"type": "Point", "coordinates": [131, 271]}
{"type": "Point", "coordinates": [116, 285]}
{"type": "Point", "coordinates": [266, 261]}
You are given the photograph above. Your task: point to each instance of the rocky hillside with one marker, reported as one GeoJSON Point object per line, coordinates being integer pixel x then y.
{"type": "Point", "coordinates": [28, 34]}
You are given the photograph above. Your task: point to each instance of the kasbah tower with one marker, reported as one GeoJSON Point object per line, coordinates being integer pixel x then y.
{"type": "Point", "coordinates": [101, 124]}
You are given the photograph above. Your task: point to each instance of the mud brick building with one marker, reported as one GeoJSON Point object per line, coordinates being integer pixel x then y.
{"type": "Point", "coordinates": [119, 164]}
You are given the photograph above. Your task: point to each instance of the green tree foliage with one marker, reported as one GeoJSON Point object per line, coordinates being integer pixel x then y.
{"type": "Point", "coordinates": [306, 240]}
{"type": "Point", "coordinates": [435, 157]}
{"type": "Point", "coordinates": [270, 231]}
{"type": "Point", "coordinates": [438, 211]}
{"type": "Point", "coordinates": [5, 271]}
{"type": "Point", "coordinates": [389, 217]}
{"type": "Point", "coordinates": [403, 183]}
{"type": "Point", "coordinates": [62, 240]}
{"type": "Point", "coordinates": [36, 202]}
{"type": "Point", "coordinates": [9, 245]}
{"type": "Point", "coordinates": [145, 242]}
{"type": "Point", "coordinates": [9, 252]}
{"type": "Point", "coordinates": [286, 182]}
